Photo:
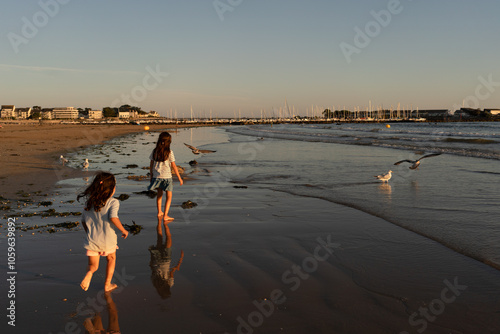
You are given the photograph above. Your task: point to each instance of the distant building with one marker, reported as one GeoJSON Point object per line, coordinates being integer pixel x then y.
{"type": "Point", "coordinates": [46, 113]}
{"type": "Point", "coordinates": [127, 114]}
{"type": "Point", "coordinates": [461, 114]}
{"type": "Point", "coordinates": [432, 113]}
{"type": "Point", "coordinates": [470, 112]}
{"type": "Point", "coordinates": [65, 113]}
{"type": "Point", "coordinates": [8, 111]}
{"type": "Point", "coordinates": [123, 114]}
{"type": "Point", "coordinates": [23, 112]}
{"type": "Point", "coordinates": [153, 114]}
{"type": "Point", "coordinates": [95, 114]}
{"type": "Point", "coordinates": [493, 112]}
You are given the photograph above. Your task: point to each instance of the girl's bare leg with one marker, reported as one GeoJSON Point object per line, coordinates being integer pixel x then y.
{"type": "Point", "coordinates": [166, 218]}
{"type": "Point", "coordinates": [91, 269]}
{"type": "Point", "coordinates": [159, 197]}
{"type": "Point", "coordinates": [110, 270]}
{"type": "Point", "coordinates": [158, 207]}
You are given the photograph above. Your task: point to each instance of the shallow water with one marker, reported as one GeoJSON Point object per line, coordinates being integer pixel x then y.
{"type": "Point", "coordinates": [452, 198]}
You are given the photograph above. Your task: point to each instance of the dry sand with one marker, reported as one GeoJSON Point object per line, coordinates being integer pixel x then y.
{"type": "Point", "coordinates": [29, 154]}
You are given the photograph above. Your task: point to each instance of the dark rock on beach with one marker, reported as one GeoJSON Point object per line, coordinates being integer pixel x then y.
{"type": "Point", "coordinates": [188, 205]}
{"type": "Point", "coordinates": [134, 229]}
{"type": "Point", "coordinates": [131, 166]}
{"type": "Point", "coordinates": [149, 193]}
{"type": "Point", "coordinates": [138, 177]}
{"type": "Point", "coordinates": [123, 197]}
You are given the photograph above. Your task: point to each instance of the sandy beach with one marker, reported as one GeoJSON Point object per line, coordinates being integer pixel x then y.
{"type": "Point", "coordinates": [29, 154]}
{"type": "Point", "coordinates": [255, 261]}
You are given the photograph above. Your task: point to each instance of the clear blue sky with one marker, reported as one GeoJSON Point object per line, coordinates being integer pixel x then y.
{"type": "Point", "coordinates": [430, 54]}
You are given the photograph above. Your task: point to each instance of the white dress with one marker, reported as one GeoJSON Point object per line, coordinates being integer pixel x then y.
{"type": "Point", "coordinates": [101, 236]}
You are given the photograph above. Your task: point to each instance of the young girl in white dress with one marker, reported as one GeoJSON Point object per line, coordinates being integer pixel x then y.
{"type": "Point", "coordinates": [160, 170]}
{"type": "Point", "coordinates": [99, 216]}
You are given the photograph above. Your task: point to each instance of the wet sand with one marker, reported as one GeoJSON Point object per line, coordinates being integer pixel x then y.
{"type": "Point", "coordinates": [255, 266]}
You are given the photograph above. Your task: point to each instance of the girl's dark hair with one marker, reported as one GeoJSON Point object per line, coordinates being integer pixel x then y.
{"type": "Point", "coordinates": [162, 149]}
{"type": "Point", "coordinates": [99, 191]}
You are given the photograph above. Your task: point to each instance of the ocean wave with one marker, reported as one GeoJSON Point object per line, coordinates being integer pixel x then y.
{"type": "Point", "coordinates": [471, 140]}
{"type": "Point", "coordinates": [436, 141]}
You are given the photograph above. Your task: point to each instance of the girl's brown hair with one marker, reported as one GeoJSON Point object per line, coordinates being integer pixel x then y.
{"type": "Point", "coordinates": [99, 191]}
{"type": "Point", "coordinates": [162, 149]}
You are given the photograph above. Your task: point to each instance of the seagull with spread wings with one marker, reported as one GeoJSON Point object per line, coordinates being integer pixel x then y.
{"type": "Point", "coordinates": [416, 163]}
{"type": "Point", "coordinates": [197, 150]}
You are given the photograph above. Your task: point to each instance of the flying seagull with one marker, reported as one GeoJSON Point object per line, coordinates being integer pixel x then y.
{"type": "Point", "coordinates": [86, 164]}
{"type": "Point", "coordinates": [63, 160]}
{"type": "Point", "coordinates": [198, 151]}
{"type": "Point", "coordinates": [384, 177]}
{"type": "Point", "coordinates": [416, 163]}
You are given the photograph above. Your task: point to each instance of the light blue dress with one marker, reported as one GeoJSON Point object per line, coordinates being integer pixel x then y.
{"type": "Point", "coordinates": [101, 236]}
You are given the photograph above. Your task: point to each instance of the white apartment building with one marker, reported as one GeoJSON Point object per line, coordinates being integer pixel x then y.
{"type": "Point", "coordinates": [123, 114]}
{"type": "Point", "coordinates": [8, 111]}
{"type": "Point", "coordinates": [23, 112]}
{"type": "Point", "coordinates": [65, 113]}
{"type": "Point", "coordinates": [95, 114]}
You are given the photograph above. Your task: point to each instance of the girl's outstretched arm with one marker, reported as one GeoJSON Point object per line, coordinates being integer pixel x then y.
{"type": "Point", "coordinates": [118, 224]}
{"type": "Point", "coordinates": [176, 171]}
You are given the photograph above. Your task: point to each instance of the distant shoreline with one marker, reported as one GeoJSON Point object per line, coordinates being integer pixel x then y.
{"type": "Point", "coordinates": [195, 123]}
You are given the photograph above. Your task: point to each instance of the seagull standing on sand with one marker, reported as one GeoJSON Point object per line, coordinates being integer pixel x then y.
{"type": "Point", "coordinates": [86, 164]}
{"type": "Point", "coordinates": [63, 160]}
{"type": "Point", "coordinates": [198, 151]}
{"type": "Point", "coordinates": [416, 163]}
{"type": "Point", "coordinates": [384, 177]}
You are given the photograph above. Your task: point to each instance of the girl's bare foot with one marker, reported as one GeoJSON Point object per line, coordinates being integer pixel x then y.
{"type": "Point", "coordinates": [86, 281]}
{"type": "Point", "coordinates": [110, 287]}
{"type": "Point", "coordinates": [167, 219]}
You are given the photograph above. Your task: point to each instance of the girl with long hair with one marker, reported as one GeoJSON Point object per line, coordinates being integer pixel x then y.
{"type": "Point", "coordinates": [100, 213]}
{"type": "Point", "coordinates": [160, 170]}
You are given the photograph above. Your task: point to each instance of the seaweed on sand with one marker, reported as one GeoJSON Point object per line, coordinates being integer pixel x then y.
{"type": "Point", "coordinates": [134, 229]}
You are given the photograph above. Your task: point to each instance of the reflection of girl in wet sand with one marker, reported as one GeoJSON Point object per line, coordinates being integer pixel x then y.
{"type": "Point", "coordinates": [162, 275]}
{"type": "Point", "coordinates": [94, 325]}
